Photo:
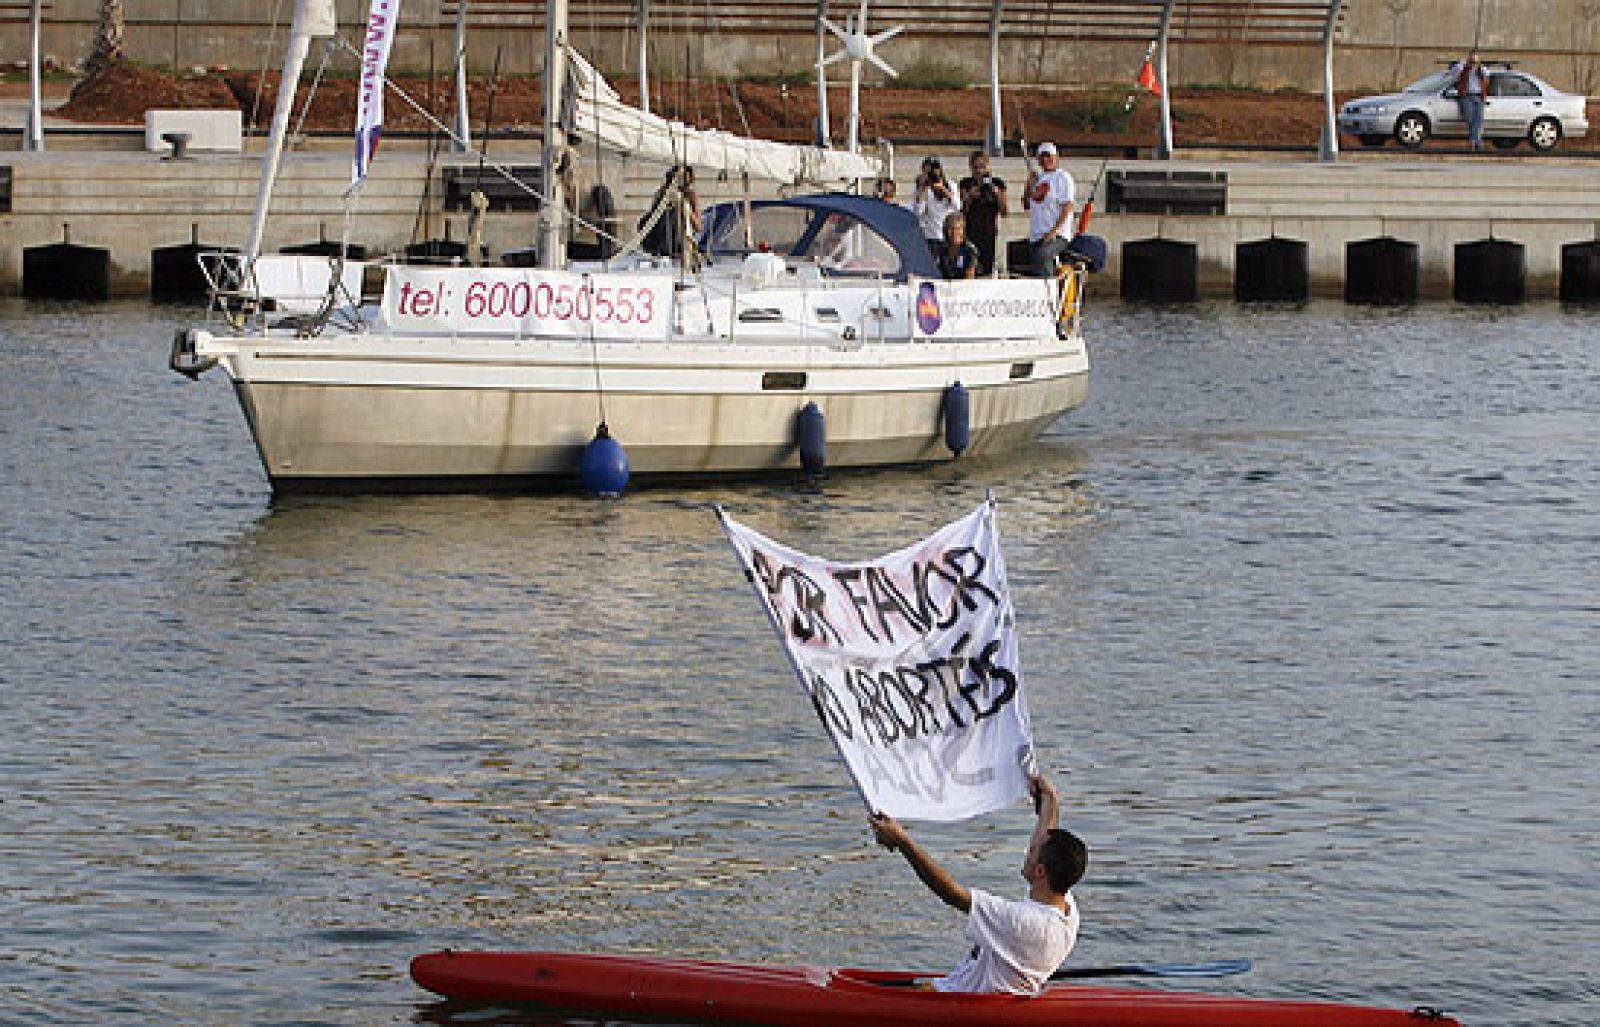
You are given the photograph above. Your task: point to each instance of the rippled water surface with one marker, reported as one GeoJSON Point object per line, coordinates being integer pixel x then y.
{"type": "Point", "coordinates": [1309, 614]}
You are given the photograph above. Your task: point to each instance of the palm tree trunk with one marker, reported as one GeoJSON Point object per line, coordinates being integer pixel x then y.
{"type": "Point", "coordinates": [107, 39]}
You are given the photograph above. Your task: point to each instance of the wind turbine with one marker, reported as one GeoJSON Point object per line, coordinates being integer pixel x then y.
{"type": "Point", "coordinates": [858, 48]}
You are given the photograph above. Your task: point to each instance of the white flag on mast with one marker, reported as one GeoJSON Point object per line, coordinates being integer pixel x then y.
{"type": "Point", "coordinates": [910, 662]}
{"type": "Point", "coordinates": [382, 21]}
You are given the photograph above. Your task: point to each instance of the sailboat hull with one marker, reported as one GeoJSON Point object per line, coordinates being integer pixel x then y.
{"type": "Point", "coordinates": [350, 425]}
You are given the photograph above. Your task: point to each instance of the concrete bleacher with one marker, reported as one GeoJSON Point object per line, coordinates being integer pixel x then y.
{"type": "Point", "coordinates": [1274, 22]}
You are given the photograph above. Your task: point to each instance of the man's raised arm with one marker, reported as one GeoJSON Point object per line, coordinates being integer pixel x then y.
{"type": "Point", "coordinates": [895, 838]}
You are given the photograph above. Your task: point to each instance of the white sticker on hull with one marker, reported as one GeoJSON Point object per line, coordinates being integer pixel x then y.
{"type": "Point", "coordinates": [985, 308]}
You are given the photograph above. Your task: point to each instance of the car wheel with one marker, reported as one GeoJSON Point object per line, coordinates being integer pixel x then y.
{"type": "Point", "coordinates": [1412, 130]}
{"type": "Point", "coordinates": [1369, 139]}
{"type": "Point", "coordinates": [1545, 133]}
{"type": "Point", "coordinates": [1505, 144]}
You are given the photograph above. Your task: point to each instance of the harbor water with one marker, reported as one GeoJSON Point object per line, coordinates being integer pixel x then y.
{"type": "Point", "coordinates": [1310, 628]}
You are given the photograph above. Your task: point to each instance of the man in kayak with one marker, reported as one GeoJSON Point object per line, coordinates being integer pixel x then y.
{"type": "Point", "coordinates": [1017, 944]}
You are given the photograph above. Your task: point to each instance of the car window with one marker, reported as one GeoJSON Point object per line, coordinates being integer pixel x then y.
{"type": "Point", "coordinates": [1512, 85]}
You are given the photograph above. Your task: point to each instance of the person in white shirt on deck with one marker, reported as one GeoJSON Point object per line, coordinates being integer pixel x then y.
{"type": "Point", "coordinates": [1017, 944]}
{"type": "Point", "coordinates": [935, 200]}
{"type": "Point", "coordinates": [1049, 198]}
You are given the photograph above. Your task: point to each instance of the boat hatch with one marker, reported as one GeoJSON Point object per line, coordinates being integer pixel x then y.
{"type": "Point", "coordinates": [1022, 370]}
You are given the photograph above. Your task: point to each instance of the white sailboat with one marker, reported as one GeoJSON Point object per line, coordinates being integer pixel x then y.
{"type": "Point", "coordinates": [802, 331]}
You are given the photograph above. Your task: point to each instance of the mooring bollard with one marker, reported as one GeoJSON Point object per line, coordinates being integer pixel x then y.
{"type": "Point", "coordinates": [179, 141]}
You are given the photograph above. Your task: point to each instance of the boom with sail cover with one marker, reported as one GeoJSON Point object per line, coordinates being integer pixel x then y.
{"type": "Point", "coordinates": [596, 110]}
{"type": "Point", "coordinates": [910, 662]}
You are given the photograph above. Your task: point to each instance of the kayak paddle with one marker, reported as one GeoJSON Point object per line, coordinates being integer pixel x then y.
{"type": "Point", "coordinates": [1216, 968]}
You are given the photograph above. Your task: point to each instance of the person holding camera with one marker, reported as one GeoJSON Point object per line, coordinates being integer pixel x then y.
{"type": "Point", "coordinates": [935, 200]}
{"type": "Point", "coordinates": [983, 200]}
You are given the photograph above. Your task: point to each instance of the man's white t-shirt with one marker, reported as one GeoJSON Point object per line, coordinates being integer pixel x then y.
{"type": "Point", "coordinates": [1018, 945]}
{"type": "Point", "coordinates": [1051, 191]}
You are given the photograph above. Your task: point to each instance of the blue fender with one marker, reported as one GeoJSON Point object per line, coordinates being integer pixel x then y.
{"type": "Point", "coordinates": [604, 466]}
{"type": "Point", "coordinates": [812, 429]}
{"type": "Point", "coordinates": [957, 419]}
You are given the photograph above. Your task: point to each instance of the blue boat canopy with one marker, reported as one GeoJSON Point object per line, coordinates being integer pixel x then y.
{"type": "Point", "coordinates": [847, 235]}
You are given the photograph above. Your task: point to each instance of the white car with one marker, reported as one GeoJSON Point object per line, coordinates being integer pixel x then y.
{"type": "Point", "coordinates": [1519, 106]}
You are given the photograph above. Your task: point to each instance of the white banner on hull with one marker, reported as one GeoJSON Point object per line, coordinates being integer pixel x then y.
{"type": "Point", "coordinates": [910, 662]}
{"type": "Point", "coordinates": [527, 302]}
{"type": "Point", "coordinates": [984, 308]}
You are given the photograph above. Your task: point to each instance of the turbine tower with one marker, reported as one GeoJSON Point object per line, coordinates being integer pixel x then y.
{"type": "Point", "coordinates": [858, 47]}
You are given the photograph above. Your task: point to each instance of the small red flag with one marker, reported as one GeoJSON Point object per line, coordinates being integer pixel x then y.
{"type": "Point", "coordinates": [1147, 78]}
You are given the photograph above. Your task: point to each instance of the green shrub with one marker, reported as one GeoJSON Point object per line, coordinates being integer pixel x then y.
{"type": "Point", "coordinates": [1094, 112]}
{"type": "Point", "coordinates": [932, 75]}
{"type": "Point", "coordinates": [801, 77]}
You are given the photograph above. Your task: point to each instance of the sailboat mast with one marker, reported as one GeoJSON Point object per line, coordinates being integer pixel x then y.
{"type": "Point", "coordinates": [34, 139]}
{"type": "Point", "coordinates": [462, 141]}
{"type": "Point", "coordinates": [311, 18]}
{"type": "Point", "coordinates": [553, 211]}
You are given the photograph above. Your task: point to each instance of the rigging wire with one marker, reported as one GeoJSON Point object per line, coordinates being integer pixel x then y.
{"type": "Point", "coordinates": [316, 82]}
{"type": "Point", "coordinates": [433, 151]}
{"type": "Point", "coordinates": [268, 48]}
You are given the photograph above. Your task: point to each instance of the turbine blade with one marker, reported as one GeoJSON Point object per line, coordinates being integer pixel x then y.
{"type": "Point", "coordinates": [883, 65]}
{"type": "Point", "coordinates": [887, 34]}
{"type": "Point", "coordinates": [836, 30]}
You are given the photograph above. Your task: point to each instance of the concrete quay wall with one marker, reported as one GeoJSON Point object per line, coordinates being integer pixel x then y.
{"type": "Point", "coordinates": [131, 203]}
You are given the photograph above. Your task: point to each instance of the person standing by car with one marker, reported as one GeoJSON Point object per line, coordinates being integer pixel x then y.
{"type": "Point", "coordinates": [1472, 91]}
{"type": "Point", "coordinates": [983, 200]}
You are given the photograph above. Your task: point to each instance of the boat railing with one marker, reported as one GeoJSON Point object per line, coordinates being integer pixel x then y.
{"type": "Point", "coordinates": [281, 290]}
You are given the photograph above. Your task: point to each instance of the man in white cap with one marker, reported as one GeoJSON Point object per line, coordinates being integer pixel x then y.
{"type": "Point", "coordinates": [1049, 199]}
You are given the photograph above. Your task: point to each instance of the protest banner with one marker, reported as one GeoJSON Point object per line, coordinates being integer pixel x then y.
{"type": "Point", "coordinates": [910, 663]}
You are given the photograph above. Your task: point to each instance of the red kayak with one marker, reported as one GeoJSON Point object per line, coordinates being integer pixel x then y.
{"type": "Point", "coordinates": [706, 992]}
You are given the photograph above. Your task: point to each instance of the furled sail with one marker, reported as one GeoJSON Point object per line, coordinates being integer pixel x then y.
{"type": "Point", "coordinates": [596, 110]}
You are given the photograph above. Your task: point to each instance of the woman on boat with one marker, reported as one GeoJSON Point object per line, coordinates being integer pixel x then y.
{"type": "Point", "coordinates": [1016, 945]}
{"type": "Point", "coordinates": [960, 256]}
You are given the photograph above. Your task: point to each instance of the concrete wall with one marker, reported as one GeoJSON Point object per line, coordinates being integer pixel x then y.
{"type": "Point", "coordinates": [130, 202]}
{"type": "Point", "coordinates": [1382, 43]}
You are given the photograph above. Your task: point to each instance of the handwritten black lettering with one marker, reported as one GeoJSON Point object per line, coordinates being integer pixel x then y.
{"type": "Point", "coordinates": [888, 601]}
{"type": "Point", "coordinates": [848, 579]}
{"type": "Point", "coordinates": [830, 708]}
{"type": "Point", "coordinates": [807, 598]}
